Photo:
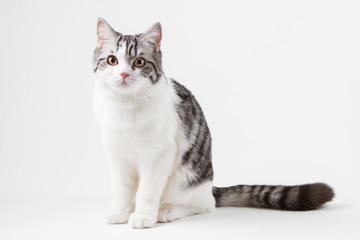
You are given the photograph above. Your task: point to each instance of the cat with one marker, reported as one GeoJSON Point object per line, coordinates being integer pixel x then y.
{"type": "Point", "coordinates": [158, 143]}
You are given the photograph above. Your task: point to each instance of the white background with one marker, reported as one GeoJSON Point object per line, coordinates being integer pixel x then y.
{"type": "Point", "coordinates": [279, 83]}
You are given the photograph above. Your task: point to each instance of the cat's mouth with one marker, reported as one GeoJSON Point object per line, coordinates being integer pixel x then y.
{"type": "Point", "coordinates": [124, 83]}
{"type": "Point", "coordinates": [120, 82]}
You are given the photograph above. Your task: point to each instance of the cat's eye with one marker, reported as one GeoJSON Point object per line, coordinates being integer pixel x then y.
{"type": "Point", "coordinates": [139, 62]}
{"type": "Point", "coordinates": [112, 60]}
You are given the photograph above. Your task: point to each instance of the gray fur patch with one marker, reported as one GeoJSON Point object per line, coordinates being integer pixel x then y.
{"type": "Point", "coordinates": [295, 198]}
{"type": "Point", "coordinates": [198, 156]}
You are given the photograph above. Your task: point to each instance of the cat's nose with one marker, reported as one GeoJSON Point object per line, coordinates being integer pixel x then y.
{"type": "Point", "coordinates": [124, 75]}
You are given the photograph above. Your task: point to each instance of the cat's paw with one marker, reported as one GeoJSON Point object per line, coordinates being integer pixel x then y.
{"type": "Point", "coordinates": [139, 220]}
{"type": "Point", "coordinates": [170, 214]}
{"type": "Point", "coordinates": [117, 217]}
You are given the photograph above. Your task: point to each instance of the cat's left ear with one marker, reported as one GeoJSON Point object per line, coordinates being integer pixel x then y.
{"type": "Point", "coordinates": [153, 36]}
{"type": "Point", "coordinates": [105, 32]}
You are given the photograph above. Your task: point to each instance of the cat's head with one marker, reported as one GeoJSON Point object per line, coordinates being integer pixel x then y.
{"type": "Point", "coordinates": [127, 64]}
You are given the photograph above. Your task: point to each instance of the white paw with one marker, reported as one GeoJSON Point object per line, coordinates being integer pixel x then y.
{"type": "Point", "coordinates": [170, 214]}
{"type": "Point", "coordinates": [138, 220]}
{"type": "Point", "coordinates": [117, 217]}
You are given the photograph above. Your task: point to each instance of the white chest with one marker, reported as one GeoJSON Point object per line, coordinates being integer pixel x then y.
{"type": "Point", "coordinates": [131, 130]}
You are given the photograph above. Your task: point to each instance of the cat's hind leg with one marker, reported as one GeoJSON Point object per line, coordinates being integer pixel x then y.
{"type": "Point", "coordinates": [170, 213]}
{"type": "Point", "coordinates": [178, 202]}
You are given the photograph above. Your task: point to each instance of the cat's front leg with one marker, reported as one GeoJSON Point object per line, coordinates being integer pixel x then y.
{"type": "Point", "coordinates": [153, 177]}
{"type": "Point", "coordinates": [123, 183]}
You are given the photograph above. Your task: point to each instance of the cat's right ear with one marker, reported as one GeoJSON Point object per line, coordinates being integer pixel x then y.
{"type": "Point", "coordinates": [105, 33]}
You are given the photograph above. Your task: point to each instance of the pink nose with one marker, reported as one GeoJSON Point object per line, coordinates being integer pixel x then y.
{"type": "Point", "coordinates": [124, 75]}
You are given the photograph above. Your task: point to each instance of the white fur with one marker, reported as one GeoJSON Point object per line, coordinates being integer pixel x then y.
{"type": "Point", "coordinates": [144, 142]}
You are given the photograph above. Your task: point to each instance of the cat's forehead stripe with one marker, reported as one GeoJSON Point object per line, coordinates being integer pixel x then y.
{"type": "Point", "coordinates": [121, 51]}
{"type": "Point", "coordinates": [129, 43]}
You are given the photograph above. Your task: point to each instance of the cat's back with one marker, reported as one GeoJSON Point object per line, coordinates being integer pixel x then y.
{"type": "Point", "coordinates": [195, 146]}
{"type": "Point", "coordinates": [189, 111]}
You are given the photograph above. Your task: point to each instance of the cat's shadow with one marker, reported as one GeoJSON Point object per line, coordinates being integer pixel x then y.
{"type": "Point", "coordinates": [246, 214]}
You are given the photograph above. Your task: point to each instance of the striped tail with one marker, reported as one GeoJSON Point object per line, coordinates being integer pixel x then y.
{"type": "Point", "coordinates": [295, 198]}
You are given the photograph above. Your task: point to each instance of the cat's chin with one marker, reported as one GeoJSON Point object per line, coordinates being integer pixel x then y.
{"type": "Point", "coordinates": [121, 86]}
{"type": "Point", "coordinates": [122, 89]}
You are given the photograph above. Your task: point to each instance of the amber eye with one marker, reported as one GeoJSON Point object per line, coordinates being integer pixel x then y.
{"type": "Point", "coordinates": [112, 60]}
{"type": "Point", "coordinates": [139, 62]}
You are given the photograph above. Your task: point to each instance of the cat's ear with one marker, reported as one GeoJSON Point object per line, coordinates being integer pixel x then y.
{"type": "Point", "coordinates": [153, 36]}
{"type": "Point", "coordinates": [105, 33]}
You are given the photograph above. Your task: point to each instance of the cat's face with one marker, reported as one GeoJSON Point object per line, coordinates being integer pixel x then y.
{"type": "Point", "coordinates": [127, 64]}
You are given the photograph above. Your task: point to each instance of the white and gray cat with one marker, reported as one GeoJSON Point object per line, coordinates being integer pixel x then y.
{"type": "Point", "coordinates": [158, 143]}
